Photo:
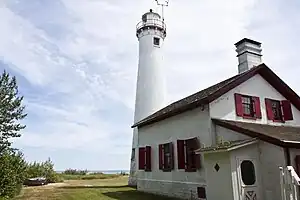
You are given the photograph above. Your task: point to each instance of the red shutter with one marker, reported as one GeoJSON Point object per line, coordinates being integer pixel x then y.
{"type": "Point", "coordinates": [257, 107]}
{"type": "Point", "coordinates": [142, 158]}
{"type": "Point", "coordinates": [188, 155]}
{"type": "Point", "coordinates": [297, 162]}
{"type": "Point", "coordinates": [148, 159]}
{"type": "Point", "coordinates": [238, 104]}
{"type": "Point", "coordinates": [171, 147]}
{"type": "Point", "coordinates": [180, 154]}
{"type": "Point", "coordinates": [269, 111]}
{"type": "Point", "coordinates": [193, 160]}
{"type": "Point", "coordinates": [160, 153]}
{"type": "Point", "coordinates": [198, 161]}
{"type": "Point", "coordinates": [197, 145]}
{"type": "Point", "coordinates": [287, 110]}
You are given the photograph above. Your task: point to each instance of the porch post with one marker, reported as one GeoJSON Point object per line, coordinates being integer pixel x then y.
{"type": "Point", "coordinates": [283, 195]}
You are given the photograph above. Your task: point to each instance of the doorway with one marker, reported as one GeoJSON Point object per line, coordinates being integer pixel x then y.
{"type": "Point", "coordinates": [248, 179]}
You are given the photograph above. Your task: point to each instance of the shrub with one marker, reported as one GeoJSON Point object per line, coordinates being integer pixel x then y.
{"type": "Point", "coordinates": [12, 173]}
{"type": "Point", "coordinates": [75, 172]}
{"type": "Point", "coordinates": [43, 169]}
{"type": "Point", "coordinates": [89, 176]}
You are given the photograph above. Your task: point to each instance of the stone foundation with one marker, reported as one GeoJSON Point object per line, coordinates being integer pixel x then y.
{"type": "Point", "coordinates": [167, 188]}
{"type": "Point", "coordinates": [132, 181]}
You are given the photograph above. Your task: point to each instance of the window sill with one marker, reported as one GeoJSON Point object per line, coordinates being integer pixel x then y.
{"type": "Point", "coordinates": [278, 120]}
{"type": "Point", "coordinates": [191, 170]}
{"type": "Point", "coordinates": [249, 117]}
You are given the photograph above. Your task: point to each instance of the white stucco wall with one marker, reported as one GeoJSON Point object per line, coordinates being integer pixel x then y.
{"type": "Point", "coordinates": [270, 157]}
{"type": "Point", "coordinates": [224, 106]}
{"type": "Point", "coordinates": [195, 123]}
{"type": "Point", "coordinates": [218, 182]}
{"type": "Point", "coordinates": [225, 134]}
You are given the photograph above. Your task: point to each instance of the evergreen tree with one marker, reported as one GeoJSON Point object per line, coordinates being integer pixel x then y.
{"type": "Point", "coordinates": [11, 110]}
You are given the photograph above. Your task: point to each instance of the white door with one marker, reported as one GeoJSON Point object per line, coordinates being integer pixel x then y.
{"type": "Point", "coordinates": [248, 179]}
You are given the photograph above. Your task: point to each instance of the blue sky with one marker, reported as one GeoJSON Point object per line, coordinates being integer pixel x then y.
{"type": "Point", "coordinates": [76, 64]}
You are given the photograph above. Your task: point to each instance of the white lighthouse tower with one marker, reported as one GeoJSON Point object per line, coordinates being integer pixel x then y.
{"type": "Point", "coordinates": [150, 89]}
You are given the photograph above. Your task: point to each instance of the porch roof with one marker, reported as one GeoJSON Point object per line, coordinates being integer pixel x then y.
{"type": "Point", "coordinates": [281, 135]}
{"type": "Point", "coordinates": [226, 146]}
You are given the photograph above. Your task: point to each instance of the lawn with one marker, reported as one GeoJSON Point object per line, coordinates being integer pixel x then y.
{"type": "Point", "coordinates": [97, 189]}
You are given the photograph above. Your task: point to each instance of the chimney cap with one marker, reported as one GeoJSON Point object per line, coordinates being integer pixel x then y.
{"type": "Point", "coordinates": [247, 40]}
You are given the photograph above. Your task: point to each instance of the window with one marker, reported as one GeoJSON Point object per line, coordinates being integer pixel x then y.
{"type": "Point", "coordinates": [201, 192]}
{"type": "Point", "coordinates": [297, 164]}
{"type": "Point", "coordinates": [156, 41]}
{"type": "Point", "coordinates": [166, 157]}
{"type": "Point", "coordinates": [144, 18]}
{"type": "Point", "coordinates": [247, 106]}
{"type": "Point", "coordinates": [145, 158]}
{"type": "Point", "coordinates": [187, 159]}
{"type": "Point", "coordinates": [133, 154]}
{"type": "Point", "coordinates": [248, 172]}
{"type": "Point", "coordinates": [278, 111]}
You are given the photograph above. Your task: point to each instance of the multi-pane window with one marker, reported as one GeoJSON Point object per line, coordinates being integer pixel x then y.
{"type": "Point", "coordinates": [247, 106]}
{"type": "Point", "coordinates": [187, 159]}
{"type": "Point", "coordinates": [278, 111]}
{"type": "Point", "coordinates": [166, 157]}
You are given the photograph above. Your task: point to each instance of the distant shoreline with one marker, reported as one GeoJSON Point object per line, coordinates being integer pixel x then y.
{"type": "Point", "coordinates": [102, 171]}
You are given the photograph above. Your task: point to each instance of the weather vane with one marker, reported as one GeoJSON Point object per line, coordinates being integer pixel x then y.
{"type": "Point", "coordinates": [162, 4]}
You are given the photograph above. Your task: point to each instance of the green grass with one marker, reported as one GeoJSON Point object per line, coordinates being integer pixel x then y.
{"type": "Point", "coordinates": [96, 189]}
{"type": "Point", "coordinates": [88, 176]}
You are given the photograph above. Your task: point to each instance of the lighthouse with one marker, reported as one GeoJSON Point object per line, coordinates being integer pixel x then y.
{"type": "Point", "coordinates": [150, 87]}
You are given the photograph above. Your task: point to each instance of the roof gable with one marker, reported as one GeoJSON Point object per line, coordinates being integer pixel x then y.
{"type": "Point", "coordinates": [215, 91]}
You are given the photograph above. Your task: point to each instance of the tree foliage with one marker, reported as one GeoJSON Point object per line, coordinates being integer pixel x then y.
{"type": "Point", "coordinates": [43, 169]}
{"type": "Point", "coordinates": [11, 110]}
{"type": "Point", "coordinates": [12, 173]}
{"type": "Point", "coordinates": [12, 162]}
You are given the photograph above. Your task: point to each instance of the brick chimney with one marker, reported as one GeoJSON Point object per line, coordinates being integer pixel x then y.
{"type": "Point", "coordinates": [249, 54]}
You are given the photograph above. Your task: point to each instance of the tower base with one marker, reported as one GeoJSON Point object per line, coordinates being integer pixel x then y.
{"type": "Point", "coordinates": [132, 180]}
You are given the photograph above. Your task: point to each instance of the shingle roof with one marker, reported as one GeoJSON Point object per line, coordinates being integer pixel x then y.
{"type": "Point", "coordinates": [213, 92]}
{"type": "Point", "coordinates": [226, 145]}
{"type": "Point", "coordinates": [195, 99]}
{"type": "Point", "coordinates": [282, 135]}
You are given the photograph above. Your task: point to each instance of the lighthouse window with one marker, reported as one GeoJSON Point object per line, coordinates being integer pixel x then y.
{"type": "Point", "coordinates": [156, 41]}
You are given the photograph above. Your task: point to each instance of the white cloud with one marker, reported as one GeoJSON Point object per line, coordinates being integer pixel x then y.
{"type": "Point", "coordinates": [79, 60]}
